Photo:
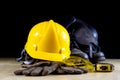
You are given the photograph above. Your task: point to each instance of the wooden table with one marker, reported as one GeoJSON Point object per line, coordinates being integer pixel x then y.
{"type": "Point", "coordinates": [9, 65]}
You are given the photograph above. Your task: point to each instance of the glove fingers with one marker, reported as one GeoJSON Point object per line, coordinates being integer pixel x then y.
{"type": "Point", "coordinates": [18, 72]}
{"type": "Point", "coordinates": [84, 70]}
{"type": "Point", "coordinates": [68, 69]}
{"type": "Point", "coordinates": [46, 70]}
{"type": "Point", "coordinates": [28, 71]}
{"type": "Point", "coordinates": [49, 69]}
{"type": "Point", "coordinates": [36, 71]}
{"type": "Point", "coordinates": [78, 71]}
{"type": "Point", "coordinates": [59, 71]}
{"type": "Point", "coordinates": [71, 70]}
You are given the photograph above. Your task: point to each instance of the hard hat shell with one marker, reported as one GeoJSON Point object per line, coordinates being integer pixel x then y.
{"type": "Point", "coordinates": [48, 40]}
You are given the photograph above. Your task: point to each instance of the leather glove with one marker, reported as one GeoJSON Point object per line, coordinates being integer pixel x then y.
{"type": "Point", "coordinates": [36, 67]}
{"type": "Point", "coordinates": [39, 68]}
{"type": "Point", "coordinates": [70, 70]}
{"type": "Point", "coordinates": [43, 68]}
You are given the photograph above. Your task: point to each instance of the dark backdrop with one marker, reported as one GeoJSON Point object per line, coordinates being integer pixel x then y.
{"type": "Point", "coordinates": [16, 23]}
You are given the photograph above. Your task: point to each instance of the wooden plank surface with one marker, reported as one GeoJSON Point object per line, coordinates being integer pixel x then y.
{"type": "Point", "coordinates": [9, 65]}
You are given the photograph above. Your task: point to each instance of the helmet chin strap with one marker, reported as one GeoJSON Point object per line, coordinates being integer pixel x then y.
{"type": "Point", "coordinates": [90, 51]}
{"type": "Point", "coordinates": [93, 49]}
{"type": "Point", "coordinates": [71, 21]}
{"type": "Point", "coordinates": [22, 55]}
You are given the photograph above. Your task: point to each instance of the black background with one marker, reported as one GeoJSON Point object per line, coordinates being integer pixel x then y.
{"type": "Point", "coordinates": [16, 21]}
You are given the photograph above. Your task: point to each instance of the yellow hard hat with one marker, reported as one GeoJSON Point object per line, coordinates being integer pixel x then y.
{"type": "Point", "coordinates": [48, 40]}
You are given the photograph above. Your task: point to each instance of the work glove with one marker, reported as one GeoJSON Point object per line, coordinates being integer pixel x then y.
{"type": "Point", "coordinates": [43, 68]}
{"type": "Point", "coordinates": [36, 67]}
